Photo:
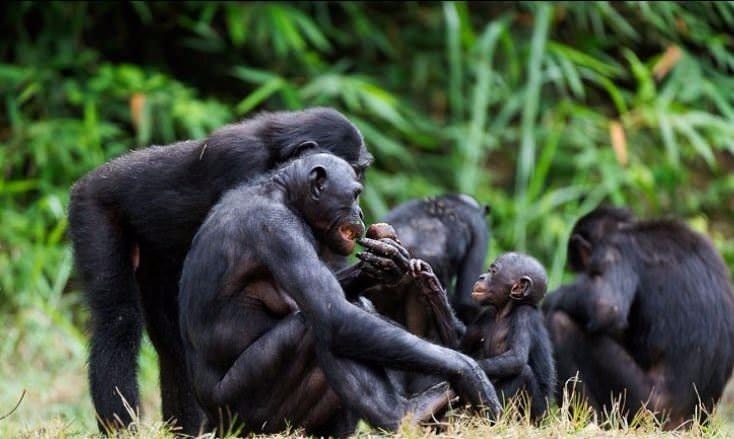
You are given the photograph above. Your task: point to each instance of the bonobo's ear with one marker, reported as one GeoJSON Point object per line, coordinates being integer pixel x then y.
{"type": "Point", "coordinates": [317, 179]}
{"type": "Point", "coordinates": [521, 288]}
{"type": "Point", "coordinates": [581, 252]}
{"type": "Point", "coordinates": [297, 149]}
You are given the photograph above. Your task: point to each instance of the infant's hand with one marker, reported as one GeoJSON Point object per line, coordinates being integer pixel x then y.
{"type": "Point", "coordinates": [425, 278]}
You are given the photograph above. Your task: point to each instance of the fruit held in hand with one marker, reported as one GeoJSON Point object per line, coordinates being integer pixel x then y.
{"type": "Point", "coordinates": [381, 230]}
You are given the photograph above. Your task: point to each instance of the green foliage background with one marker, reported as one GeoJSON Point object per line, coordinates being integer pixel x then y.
{"type": "Point", "coordinates": [514, 103]}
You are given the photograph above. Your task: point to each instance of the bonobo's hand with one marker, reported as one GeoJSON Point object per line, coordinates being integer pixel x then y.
{"type": "Point", "coordinates": [425, 278]}
{"type": "Point", "coordinates": [474, 387]}
{"type": "Point", "coordinates": [384, 259]}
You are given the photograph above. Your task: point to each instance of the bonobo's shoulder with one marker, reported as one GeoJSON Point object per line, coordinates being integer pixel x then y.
{"type": "Point", "coordinates": [249, 207]}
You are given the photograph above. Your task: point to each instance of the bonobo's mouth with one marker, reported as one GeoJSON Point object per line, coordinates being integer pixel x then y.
{"type": "Point", "coordinates": [478, 292]}
{"type": "Point", "coordinates": [349, 233]}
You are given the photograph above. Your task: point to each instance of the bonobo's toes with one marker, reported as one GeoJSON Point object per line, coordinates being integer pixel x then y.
{"type": "Point", "coordinates": [430, 402]}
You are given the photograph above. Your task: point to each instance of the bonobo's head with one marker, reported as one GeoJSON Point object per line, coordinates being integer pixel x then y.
{"type": "Point", "coordinates": [296, 132]}
{"type": "Point", "coordinates": [512, 277]}
{"type": "Point", "coordinates": [325, 190]}
{"type": "Point", "coordinates": [590, 230]}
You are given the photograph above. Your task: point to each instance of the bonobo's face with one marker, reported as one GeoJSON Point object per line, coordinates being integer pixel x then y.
{"type": "Point", "coordinates": [492, 287]}
{"type": "Point", "coordinates": [333, 206]}
{"type": "Point", "coordinates": [512, 276]}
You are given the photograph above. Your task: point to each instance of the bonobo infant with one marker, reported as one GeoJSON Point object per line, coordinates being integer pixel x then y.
{"type": "Point", "coordinates": [508, 338]}
{"type": "Point", "coordinates": [271, 340]}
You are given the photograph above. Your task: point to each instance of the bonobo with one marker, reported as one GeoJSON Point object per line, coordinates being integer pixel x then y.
{"type": "Point", "coordinates": [131, 223]}
{"type": "Point", "coordinates": [508, 338]}
{"type": "Point", "coordinates": [650, 318]}
{"type": "Point", "coordinates": [271, 340]}
{"type": "Point", "coordinates": [450, 233]}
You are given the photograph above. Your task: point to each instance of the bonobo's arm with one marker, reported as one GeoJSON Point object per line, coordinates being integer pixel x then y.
{"type": "Point", "coordinates": [511, 362]}
{"type": "Point", "coordinates": [601, 303]}
{"type": "Point", "coordinates": [346, 329]}
{"type": "Point", "coordinates": [450, 328]}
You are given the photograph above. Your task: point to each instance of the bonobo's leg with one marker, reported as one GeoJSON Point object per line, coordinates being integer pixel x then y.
{"type": "Point", "coordinates": [159, 288]}
{"type": "Point", "coordinates": [103, 252]}
{"type": "Point", "coordinates": [526, 381]}
{"type": "Point", "coordinates": [370, 393]}
{"type": "Point", "coordinates": [604, 366]}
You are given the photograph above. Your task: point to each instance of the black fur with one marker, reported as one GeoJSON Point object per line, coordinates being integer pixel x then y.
{"type": "Point", "coordinates": [270, 337]}
{"type": "Point", "coordinates": [150, 203]}
{"type": "Point", "coordinates": [509, 338]}
{"type": "Point", "coordinates": [651, 315]}
{"type": "Point", "coordinates": [450, 233]}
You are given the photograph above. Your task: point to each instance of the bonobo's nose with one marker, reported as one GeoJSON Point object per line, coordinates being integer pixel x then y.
{"type": "Point", "coordinates": [482, 277]}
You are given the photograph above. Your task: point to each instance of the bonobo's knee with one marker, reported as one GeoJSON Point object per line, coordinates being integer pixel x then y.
{"type": "Point", "coordinates": [562, 327]}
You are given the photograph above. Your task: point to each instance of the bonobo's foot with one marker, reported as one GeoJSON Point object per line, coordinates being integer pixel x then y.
{"type": "Point", "coordinates": [474, 387]}
{"type": "Point", "coordinates": [384, 259]}
{"type": "Point", "coordinates": [425, 405]}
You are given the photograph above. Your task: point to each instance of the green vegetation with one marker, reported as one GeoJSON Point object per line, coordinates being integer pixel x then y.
{"type": "Point", "coordinates": [540, 110]}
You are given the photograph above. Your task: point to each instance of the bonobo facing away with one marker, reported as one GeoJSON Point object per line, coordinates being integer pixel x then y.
{"type": "Point", "coordinates": [132, 221]}
{"type": "Point", "coordinates": [508, 338]}
{"type": "Point", "coordinates": [450, 233]}
{"type": "Point", "coordinates": [270, 338]}
{"type": "Point", "coordinates": [650, 317]}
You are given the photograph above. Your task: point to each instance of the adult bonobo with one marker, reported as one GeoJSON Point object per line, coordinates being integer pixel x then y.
{"type": "Point", "coordinates": [650, 316]}
{"type": "Point", "coordinates": [270, 338]}
{"type": "Point", "coordinates": [450, 233]}
{"type": "Point", "coordinates": [132, 221]}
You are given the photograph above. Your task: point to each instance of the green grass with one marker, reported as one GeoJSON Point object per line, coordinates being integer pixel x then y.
{"type": "Point", "coordinates": [49, 364]}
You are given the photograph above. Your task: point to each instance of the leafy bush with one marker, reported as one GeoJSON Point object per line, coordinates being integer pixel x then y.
{"type": "Point", "coordinates": [540, 110]}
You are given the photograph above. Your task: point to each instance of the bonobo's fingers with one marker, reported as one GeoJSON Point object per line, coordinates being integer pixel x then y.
{"type": "Point", "coordinates": [378, 262]}
{"type": "Point", "coordinates": [474, 387]}
{"type": "Point", "coordinates": [373, 272]}
{"type": "Point", "coordinates": [389, 249]}
{"type": "Point", "coordinates": [395, 243]}
{"type": "Point", "coordinates": [425, 278]}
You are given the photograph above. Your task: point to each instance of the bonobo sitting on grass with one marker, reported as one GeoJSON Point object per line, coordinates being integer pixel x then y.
{"type": "Point", "coordinates": [508, 338]}
{"type": "Point", "coordinates": [271, 340]}
{"type": "Point", "coordinates": [650, 318]}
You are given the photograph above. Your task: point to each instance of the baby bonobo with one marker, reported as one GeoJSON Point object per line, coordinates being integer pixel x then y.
{"type": "Point", "coordinates": [508, 338]}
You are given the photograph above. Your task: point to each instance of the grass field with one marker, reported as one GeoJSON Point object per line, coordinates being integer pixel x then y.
{"type": "Point", "coordinates": [46, 358]}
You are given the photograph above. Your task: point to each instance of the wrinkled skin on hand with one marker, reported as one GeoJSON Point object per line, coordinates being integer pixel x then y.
{"type": "Point", "coordinates": [384, 258]}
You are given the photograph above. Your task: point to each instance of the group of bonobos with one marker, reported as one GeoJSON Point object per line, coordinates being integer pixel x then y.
{"type": "Point", "coordinates": [231, 251]}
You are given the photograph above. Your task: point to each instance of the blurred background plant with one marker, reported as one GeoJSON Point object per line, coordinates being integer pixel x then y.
{"type": "Point", "coordinates": [540, 110]}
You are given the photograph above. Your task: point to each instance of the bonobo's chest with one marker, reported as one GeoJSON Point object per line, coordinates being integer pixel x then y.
{"type": "Point", "coordinates": [267, 293]}
{"type": "Point", "coordinates": [494, 337]}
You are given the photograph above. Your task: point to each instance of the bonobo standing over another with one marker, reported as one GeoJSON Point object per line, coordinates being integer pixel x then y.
{"type": "Point", "coordinates": [270, 338]}
{"type": "Point", "coordinates": [509, 338]}
{"type": "Point", "coordinates": [450, 233]}
{"type": "Point", "coordinates": [649, 319]}
{"type": "Point", "coordinates": [132, 221]}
